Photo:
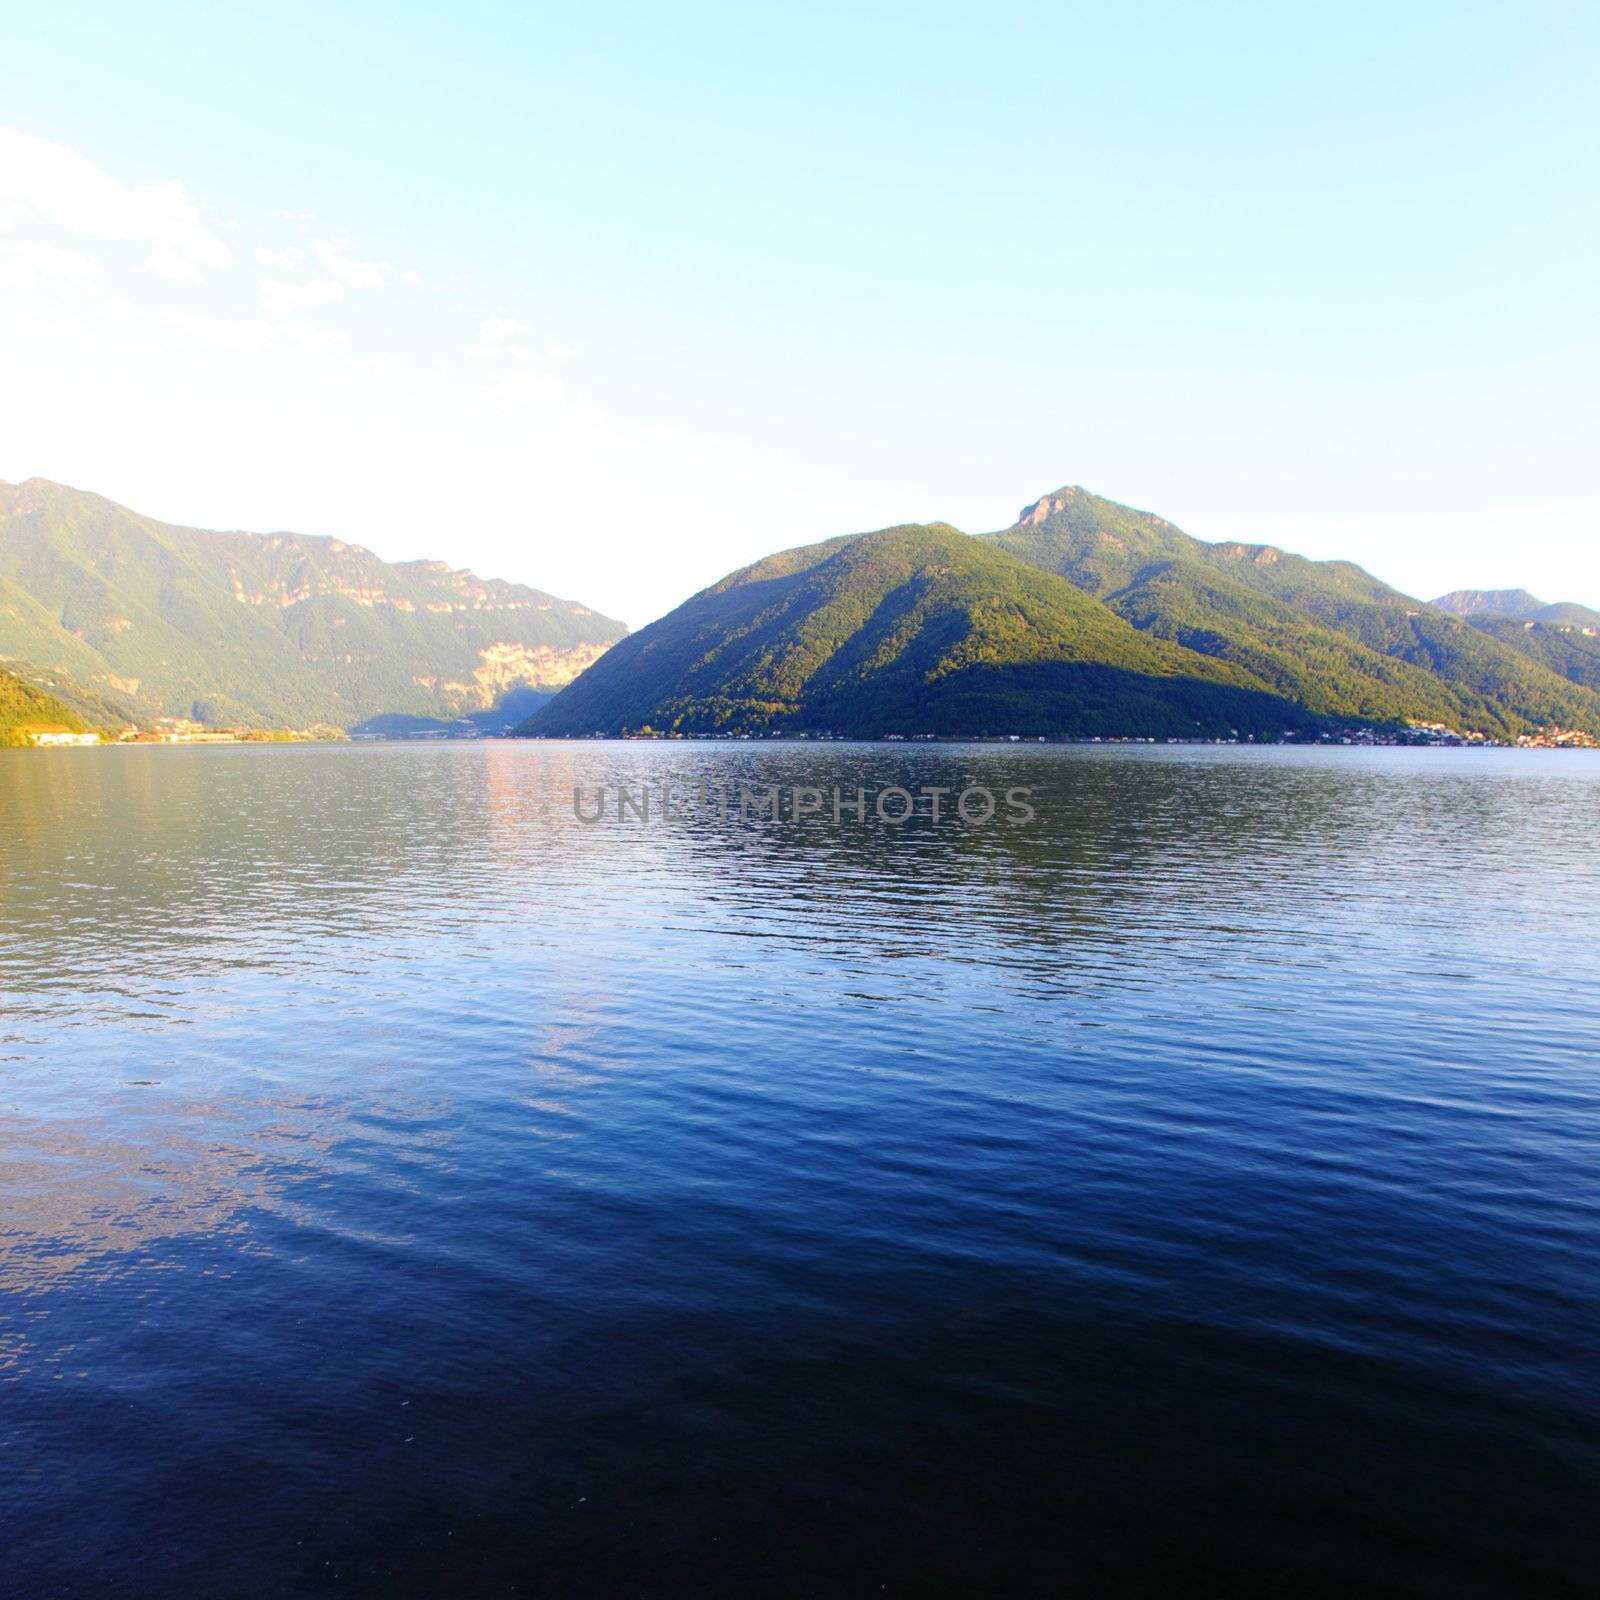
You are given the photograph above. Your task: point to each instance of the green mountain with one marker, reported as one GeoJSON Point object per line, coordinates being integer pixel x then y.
{"type": "Point", "coordinates": [266, 629]}
{"type": "Point", "coordinates": [1565, 649]}
{"type": "Point", "coordinates": [21, 704]}
{"type": "Point", "coordinates": [916, 629]}
{"type": "Point", "coordinates": [107, 712]}
{"type": "Point", "coordinates": [1326, 632]}
{"type": "Point", "coordinates": [1564, 637]}
{"type": "Point", "coordinates": [1325, 670]}
{"type": "Point", "coordinates": [1567, 614]}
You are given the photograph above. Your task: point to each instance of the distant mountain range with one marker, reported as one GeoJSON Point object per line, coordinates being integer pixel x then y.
{"type": "Point", "coordinates": [1516, 603]}
{"type": "Point", "coordinates": [1084, 617]}
{"type": "Point", "coordinates": [1564, 637]}
{"type": "Point", "coordinates": [123, 617]}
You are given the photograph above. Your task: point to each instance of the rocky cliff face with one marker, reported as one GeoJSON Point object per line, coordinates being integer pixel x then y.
{"type": "Point", "coordinates": [275, 628]}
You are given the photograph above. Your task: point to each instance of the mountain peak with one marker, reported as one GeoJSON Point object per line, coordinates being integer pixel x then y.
{"type": "Point", "coordinates": [1046, 506]}
{"type": "Point", "coordinates": [912, 629]}
{"type": "Point", "coordinates": [1490, 603]}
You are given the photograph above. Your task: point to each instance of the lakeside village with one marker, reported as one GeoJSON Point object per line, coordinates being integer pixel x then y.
{"type": "Point", "coordinates": [172, 730]}
{"type": "Point", "coordinates": [179, 730]}
{"type": "Point", "coordinates": [1435, 735]}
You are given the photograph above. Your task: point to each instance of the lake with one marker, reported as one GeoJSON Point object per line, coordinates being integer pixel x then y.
{"type": "Point", "coordinates": [407, 1188]}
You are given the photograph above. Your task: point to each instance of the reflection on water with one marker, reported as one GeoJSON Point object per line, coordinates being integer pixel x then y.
{"type": "Point", "coordinates": [405, 1187]}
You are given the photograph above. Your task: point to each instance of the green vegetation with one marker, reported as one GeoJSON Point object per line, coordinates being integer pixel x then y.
{"type": "Point", "coordinates": [1564, 614]}
{"type": "Point", "coordinates": [1087, 617]}
{"type": "Point", "coordinates": [107, 712]}
{"type": "Point", "coordinates": [238, 629]}
{"type": "Point", "coordinates": [22, 705]}
{"type": "Point", "coordinates": [1324, 670]}
{"type": "Point", "coordinates": [1325, 632]}
{"type": "Point", "coordinates": [1566, 650]}
{"type": "Point", "coordinates": [910, 630]}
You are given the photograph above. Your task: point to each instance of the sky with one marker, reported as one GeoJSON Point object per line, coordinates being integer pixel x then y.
{"type": "Point", "coordinates": [612, 299]}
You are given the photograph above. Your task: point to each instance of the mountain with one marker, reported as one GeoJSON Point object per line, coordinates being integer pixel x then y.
{"type": "Point", "coordinates": [1570, 651]}
{"type": "Point", "coordinates": [914, 629]}
{"type": "Point", "coordinates": [106, 711]}
{"type": "Point", "coordinates": [1478, 604]}
{"type": "Point", "coordinates": [1564, 637]}
{"type": "Point", "coordinates": [1286, 648]}
{"type": "Point", "coordinates": [1326, 632]}
{"type": "Point", "coordinates": [277, 629]}
{"type": "Point", "coordinates": [1085, 617]}
{"type": "Point", "coordinates": [1567, 614]}
{"type": "Point", "coordinates": [514, 706]}
{"type": "Point", "coordinates": [1490, 603]}
{"type": "Point", "coordinates": [21, 703]}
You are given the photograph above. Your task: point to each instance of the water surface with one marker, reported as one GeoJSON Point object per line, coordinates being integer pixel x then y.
{"type": "Point", "coordinates": [407, 1189]}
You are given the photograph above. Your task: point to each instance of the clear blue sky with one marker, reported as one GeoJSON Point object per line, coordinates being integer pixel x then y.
{"type": "Point", "coordinates": [614, 298]}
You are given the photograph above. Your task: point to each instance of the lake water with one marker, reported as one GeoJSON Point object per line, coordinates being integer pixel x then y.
{"type": "Point", "coordinates": [407, 1189]}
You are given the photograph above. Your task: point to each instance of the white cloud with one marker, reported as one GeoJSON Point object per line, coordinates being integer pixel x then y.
{"type": "Point", "coordinates": [311, 335]}
{"type": "Point", "coordinates": [310, 353]}
{"type": "Point", "coordinates": [49, 183]}
{"type": "Point", "coordinates": [523, 391]}
{"type": "Point", "coordinates": [290, 260]}
{"type": "Point", "coordinates": [27, 265]}
{"type": "Point", "coordinates": [235, 335]}
{"type": "Point", "coordinates": [285, 299]}
{"type": "Point", "coordinates": [500, 330]}
{"type": "Point", "coordinates": [352, 273]}
{"type": "Point", "coordinates": [319, 274]}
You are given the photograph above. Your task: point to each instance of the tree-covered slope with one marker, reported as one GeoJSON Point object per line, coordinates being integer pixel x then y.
{"type": "Point", "coordinates": [106, 711]}
{"type": "Point", "coordinates": [266, 629]}
{"type": "Point", "coordinates": [1568, 614]}
{"type": "Point", "coordinates": [1463, 675]}
{"type": "Point", "coordinates": [916, 629]}
{"type": "Point", "coordinates": [1325, 670]}
{"type": "Point", "coordinates": [22, 704]}
{"type": "Point", "coordinates": [1566, 650]}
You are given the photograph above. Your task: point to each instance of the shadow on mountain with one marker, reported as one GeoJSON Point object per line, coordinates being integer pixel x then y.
{"type": "Point", "coordinates": [514, 706]}
{"type": "Point", "coordinates": [1058, 699]}
{"type": "Point", "coordinates": [897, 618]}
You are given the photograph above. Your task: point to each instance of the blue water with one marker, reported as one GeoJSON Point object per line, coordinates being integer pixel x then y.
{"type": "Point", "coordinates": [406, 1189]}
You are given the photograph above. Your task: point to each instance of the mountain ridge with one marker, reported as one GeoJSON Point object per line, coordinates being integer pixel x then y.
{"type": "Point", "coordinates": [1471, 603]}
{"type": "Point", "coordinates": [917, 628]}
{"type": "Point", "coordinates": [1130, 626]}
{"type": "Point", "coordinates": [1085, 616]}
{"type": "Point", "coordinates": [277, 628]}
{"type": "Point", "coordinates": [1477, 604]}
{"type": "Point", "coordinates": [1471, 679]}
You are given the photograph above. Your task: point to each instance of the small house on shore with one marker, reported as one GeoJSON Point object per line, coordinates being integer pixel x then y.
{"type": "Point", "coordinates": [55, 733]}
